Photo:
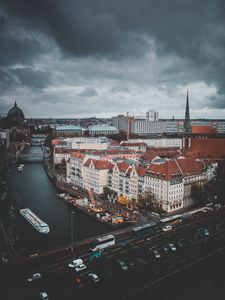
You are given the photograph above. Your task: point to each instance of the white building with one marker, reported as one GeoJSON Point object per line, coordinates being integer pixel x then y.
{"type": "Point", "coordinates": [89, 143]}
{"type": "Point", "coordinates": [102, 130]}
{"type": "Point", "coordinates": [75, 169]}
{"type": "Point", "coordinates": [60, 154]}
{"type": "Point", "coordinates": [95, 174]}
{"type": "Point", "coordinates": [160, 142]}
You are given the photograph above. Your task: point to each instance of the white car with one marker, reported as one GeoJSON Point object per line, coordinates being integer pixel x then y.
{"type": "Point", "coordinates": [44, 296]}
{"type": "Point", "coordinates": [123, 265]}
{"type": "Point", "coordinates": [34, 277]}
{"type": "Point", "coordinates": [75, 263]}
{"type": "Point", "coordinates": [80, 267]}
{"type": "Point", "coordinates": [172, 247]}
{"type": "Point", "coordinates": [167, 228]}
{"type": "Point", "coordinates": [156, 253]}
{"type": "Point", "coordinates": [94, 277]}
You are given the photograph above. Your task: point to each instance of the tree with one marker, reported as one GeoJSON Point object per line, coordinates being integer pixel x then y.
{"type": "Point", "coordinates": [146, 200]}
{"type": "Point", "coordinates": [199, 193]}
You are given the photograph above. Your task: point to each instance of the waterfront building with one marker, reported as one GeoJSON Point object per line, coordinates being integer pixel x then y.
{"type": "Point", "coordinates": [75, 169]}
{"type": "Point", "coordinates": [15, 117]}
{"type": "Point", "coordinates": [4, 139]}
{"type": "Point", "coordinates": [127, 180]}
{"type": "Point", "coordinates": [102, 130]}
{"type": "Point", "coordinates": [95, 174]}
{"type": "Point", "coordinates": [68, 130]}
{"type": "Point", "coordinates": [61, 154]}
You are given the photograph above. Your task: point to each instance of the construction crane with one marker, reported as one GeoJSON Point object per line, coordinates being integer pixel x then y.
{"type": "Point", "coordinates": [93, 205]}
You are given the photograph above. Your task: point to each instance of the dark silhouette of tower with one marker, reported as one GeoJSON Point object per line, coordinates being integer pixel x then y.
{"type": "Point", "coordinates": [187, 122]}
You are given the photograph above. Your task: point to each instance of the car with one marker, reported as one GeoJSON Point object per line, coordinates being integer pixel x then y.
{"type": "Point", "coordinates": [167, 228]}
{"type": "Point", "coordinates": [95, 255]}
{"type": "Point", "coordinates": [166, 249]}
{"type": "Point", "coordinates": [75, 263]}
{"type": "Point", "coordinates": [217, 205]}
{"type": "Point", "coordinates": [43, 296]}
{"type": "Point", "coordinates": [34, 276]}
{"type": "Point", "coordinates": [156, 254]}
{"type": "Point", "coordinates": [123, 265]}
{"type": "Point", "coordinates": [172, 247]}
{"type": "Point", "coordinates": [94, 277]}
{"type": "Point", "coordinates": [79, 282]}
{"type": "Point", "coordinates": [80, 267]}
{"type": "Point", "coordinates": [206, 232]}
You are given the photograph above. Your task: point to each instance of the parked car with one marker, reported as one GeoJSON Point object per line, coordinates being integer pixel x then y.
{"type": "Point", "coordinates": [156, 254]}
{"type": "Point", "coordinates": [80, 267]}
{"type": "Point", "coordinates": [206, 232]}
{"type": "Point", "coordinates": [167, 228]}
{"type": "Point", "coordinates": [79, 282]}
{"type": "Point", "coordinates": [166, 249]}
{"type": "Point", "coordinates": [34, 277]}
{"type": "Point", "coordinates": [94, 277]}
{"type": "Point", "coordinates": [123, 265]}
{"type": "Point", "coordinates": [43, 296]}
{"type": "Point", "coordinates": [172, 247]}
{"type": "Point", "coordinates": [75, 263]}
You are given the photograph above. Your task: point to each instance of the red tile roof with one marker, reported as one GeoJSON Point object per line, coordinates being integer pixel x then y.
{"type": "Point", "coordinates": [122, 166]}
{"type": "Point", "coordinates": [176, 167]}
{"type": "Point", "coordinates": [141, 171]}
{"type": "Point", "coordinates": [161, 152]}
{"type": "Point", "coordinates": [99, 164]}
{"type": "Point", "coordinates": [207, 148]}
{"type": "Point", "coordinates": [78, 155]}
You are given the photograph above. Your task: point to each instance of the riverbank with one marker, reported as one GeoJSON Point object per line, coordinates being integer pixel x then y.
{"type": "Point", "coordinates": [111, 214]}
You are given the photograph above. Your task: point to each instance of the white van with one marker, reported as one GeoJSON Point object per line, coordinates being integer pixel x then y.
{"type": "Point", "coordinates": [75, 263]}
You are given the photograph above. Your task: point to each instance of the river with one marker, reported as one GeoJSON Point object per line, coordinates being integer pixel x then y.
{"type": "Point", "coordinates": [33, 189]}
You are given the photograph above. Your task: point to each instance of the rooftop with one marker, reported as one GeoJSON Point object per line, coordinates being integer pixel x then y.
{"type": "Point", "coordinates": [68, 128]}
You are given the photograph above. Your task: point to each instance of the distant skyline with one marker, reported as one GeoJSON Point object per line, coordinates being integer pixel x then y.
{"type": "Point", "coordinates": [69, 59]}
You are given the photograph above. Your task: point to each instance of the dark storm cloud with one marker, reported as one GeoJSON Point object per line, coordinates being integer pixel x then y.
{"type": "Point", "coordinates": [192, 31]}
{"type": "Point", "coordinates": [32, 78]}
{"type": "Point", "coordinates": [16, 45]}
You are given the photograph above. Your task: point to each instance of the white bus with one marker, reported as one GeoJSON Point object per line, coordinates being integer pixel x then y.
{"type": "Point", "coordinates": [102, 242]}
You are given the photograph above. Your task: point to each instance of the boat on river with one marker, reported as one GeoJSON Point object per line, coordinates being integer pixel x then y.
{"type": "Point", "coordinates": [67, 198]}
{"type": "Point", "coordinates": [36, 222]}
{"type": "Point", "coordinates": [20, 168]}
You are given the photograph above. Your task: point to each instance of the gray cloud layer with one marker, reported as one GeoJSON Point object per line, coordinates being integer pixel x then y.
{"type": "Point", "coordinates": [114, 51]}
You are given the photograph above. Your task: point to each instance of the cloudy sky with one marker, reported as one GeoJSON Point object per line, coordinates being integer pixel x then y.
{"type": "Point", "coordinates": [81, 58]}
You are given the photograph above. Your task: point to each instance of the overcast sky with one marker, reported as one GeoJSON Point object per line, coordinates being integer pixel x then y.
{"type": "Point", "coordinates": [81, 58]}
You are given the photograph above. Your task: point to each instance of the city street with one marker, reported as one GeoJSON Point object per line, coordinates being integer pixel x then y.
{"type": "Point", "coordinates": [143, 270]}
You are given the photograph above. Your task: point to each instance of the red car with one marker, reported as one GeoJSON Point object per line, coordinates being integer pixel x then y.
{"type": "Point", "coordinates": [79, 282]}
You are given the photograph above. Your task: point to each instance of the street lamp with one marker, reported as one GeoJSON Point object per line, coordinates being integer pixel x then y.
{"type": "Point", "coordinates": [71, 227]}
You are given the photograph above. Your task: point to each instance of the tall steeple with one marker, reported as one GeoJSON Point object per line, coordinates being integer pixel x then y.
{"type": "Point", "coordinates": [187, 122]}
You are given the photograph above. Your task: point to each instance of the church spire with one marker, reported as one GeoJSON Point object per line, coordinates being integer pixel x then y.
{"type": "Point", "coordinates": [187, 122]}
{"type": "Point", "coordinates": [15, 104]}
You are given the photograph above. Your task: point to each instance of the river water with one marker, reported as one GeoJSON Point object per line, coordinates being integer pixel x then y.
{"type": "Point", "coordinates": [33, 189]}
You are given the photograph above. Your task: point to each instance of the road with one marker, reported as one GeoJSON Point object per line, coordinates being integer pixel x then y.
{"type": "Point", "coordinates": [145, 273]}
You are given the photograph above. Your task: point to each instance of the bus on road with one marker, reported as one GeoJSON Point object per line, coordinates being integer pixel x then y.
{"type": "Point", "coordinates": [103, 242]}
{"type": "Point", "coordinates": [172, 220]}
{"type": "Point", "coordinates": [145, 229]}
